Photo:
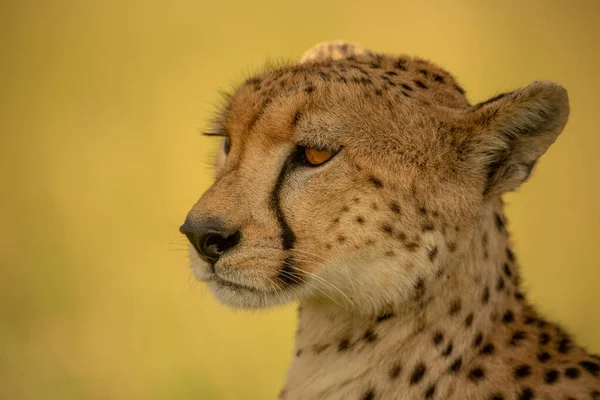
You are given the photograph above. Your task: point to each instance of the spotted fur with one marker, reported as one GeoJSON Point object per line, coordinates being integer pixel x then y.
{"type": "Point", "coordinates": [397, 248]}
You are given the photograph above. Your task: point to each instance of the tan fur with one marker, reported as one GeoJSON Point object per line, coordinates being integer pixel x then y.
{"type": "Point", "coordinates": [401, 256]}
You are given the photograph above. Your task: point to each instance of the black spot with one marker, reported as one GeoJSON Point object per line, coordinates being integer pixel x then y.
{"type": "Point", "coordinates": [517, 337]}
{"type": "Point", "coordinates": [455, 307]}
{"type": "Point", "coordinates": [572, 373]}
{"type": "Point", "coordinates": [595, 395]}
{"type": "Point", "coordinates": [438, 78]}
{"type": "Point", "coordinates": [400, 66]}
{"type": "Point", "coordinates": [298, 352]}
{"type": "Point", "coordinates": [469, 320]}
{"type": "Point", "coordinates": [507, 270]}
{"type": "Point", "coordinates": [432, 253]}
{"type": "Point", "coordinates": [476, 374]}
{"type": "Point", "coordinates": [430, 391]}
{"type": "Point", "coordinates": [508, 317]}
{"type": "Point", "coordinates": [369, 395]}
{"type": "Point", "coordinates": [341, 239]}
{"type": "Point", "coordinates": [455, 366]}
{"type": "Point", "coordinates": [438, 337]}
{"type": "Point", "coordinates": [500, 284]}
{"type": "Point", "coordinates": [296, 118]}
{"type": "Point", "coordinates": [510, 255]}
{"type": "Point", "coordinates": [318, 349]}
{"type": "Point", "coordinates": [428, 227]}
{"type": "Point", "coordinates": [360, 220]}
{"type": "Point", "coordinates": [395, 371]}
{"type": "Point", "coordinates": [541, 324]}
{"type": "Point", "coordinates": [309, 89]}
{"type": "Point", "coordinates": [499, 222]}
{"type": "Point", "coordinates": [376, 182]}
{"type": "Point", "coordinates": [370, 336]}
{"type": "Point", "coordinates": [417, 373]}
{"type": "Point", "coordinates": [519, 296]}
{"type": "Point", "coordinates": [488, 349]}
{"type": "Point", "coordinates": [411, 246]}
{"type": "Point", "coordinates": [378, 92]}
{"type": "Point", "coordinates": [544, 338]}
{"type": "Point", "coordinates": [527, 394]}
{"type": "Point", "coordinates": [485, 298]}
{"type": "Point", "coordinates": [395, 207]}
{"type": "Point", "coordinates": [452, 247]}
{"type": "Point", "coordinates": [448, 350]}
{"type": "Point", "coordinates": [391, 73]}
{"type": "Point", "coordinates": [496, 396]}
{"type": "Point", "coordinates": [344, 345]}
{"type": "Point", "coordinates": [383, 317]}
{"type": "Point", "coordinates": [423, 210]}
{"type": "Point", "coordinates": [522, 371]}
{"type": "Point", "coordinates": [459, 89]}
{"type": "Point", "coordinates": [591, 367]}
{"type": "Point", "coordinates": [254, 82]}
{"type": "Point", "coordinates": [406, 87]}
{"type": "Point", "coordinates": [478, 340]}
{"type": "Point", "coordinates": [420, 84]}
{"type": "Point", "coordinates": [528, 320]}
{"type": "Point", "coordinates": [551, 376]}
{"type": "Point", "coordinates": [387, 229]}
{"type": "Point", "coordinates": [544, 357]}
{"type": "Point", "coordinates": [420, 288]}
{"type": "Point", "coordinates": [564, 346]}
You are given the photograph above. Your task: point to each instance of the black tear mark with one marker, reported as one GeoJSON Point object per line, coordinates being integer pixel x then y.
{"type": "Point", "coordinates": [288, 238]}
{"type": "Point", "coordinates": [287, 274]}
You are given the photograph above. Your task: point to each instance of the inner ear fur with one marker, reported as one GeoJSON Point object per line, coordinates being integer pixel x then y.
{"type": "Point", "coordinates": [512, 130]}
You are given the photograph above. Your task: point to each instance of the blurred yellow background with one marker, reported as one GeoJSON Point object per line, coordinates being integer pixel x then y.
{"type": "Point", "coordinates": [100, 160]}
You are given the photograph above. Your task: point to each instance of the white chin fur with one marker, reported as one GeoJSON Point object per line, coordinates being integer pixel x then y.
{"type": "Point", "coordinates": [247, 298]}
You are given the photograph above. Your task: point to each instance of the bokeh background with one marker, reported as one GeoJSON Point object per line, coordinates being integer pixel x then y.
{"type": "Point", "coordinates": [100, 160]}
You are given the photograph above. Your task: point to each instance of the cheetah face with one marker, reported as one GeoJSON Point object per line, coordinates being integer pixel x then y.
{"type": "Point", "coordinates": [350, 180]}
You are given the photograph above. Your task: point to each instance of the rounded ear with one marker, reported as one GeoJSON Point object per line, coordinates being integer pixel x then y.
{"type": "Point", "coordinates": [512, 130]}
{"type": "Point", "coordinates": [333, 50]}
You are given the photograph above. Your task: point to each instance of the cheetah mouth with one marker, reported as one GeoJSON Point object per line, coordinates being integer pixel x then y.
{"type": "Point", "coordinates": [232, 285]}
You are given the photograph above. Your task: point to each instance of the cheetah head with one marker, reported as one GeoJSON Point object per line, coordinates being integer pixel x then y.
{"type": "Point", "coordinates": [349, 176]}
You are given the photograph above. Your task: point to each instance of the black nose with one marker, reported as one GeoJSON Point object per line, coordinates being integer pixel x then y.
{"type": "Point", "coordinates": [211, 240]}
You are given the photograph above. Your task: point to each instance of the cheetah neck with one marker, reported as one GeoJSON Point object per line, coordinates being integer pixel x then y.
{"type": "Point", "coordinates": [446, 326]}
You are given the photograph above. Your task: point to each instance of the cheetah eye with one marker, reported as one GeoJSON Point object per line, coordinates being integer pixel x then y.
{"type": "Point", "coordinates": [314, 157]}
{"type": "Point", "coordinates": [226, 145]}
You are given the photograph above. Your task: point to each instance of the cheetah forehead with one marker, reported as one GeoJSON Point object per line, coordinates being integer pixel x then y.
{"type": "Point", "coordinates": [341, 76]}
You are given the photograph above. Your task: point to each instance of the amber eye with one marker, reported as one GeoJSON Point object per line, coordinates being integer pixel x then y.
{"type": "Point", "coordinates": [316, 157]}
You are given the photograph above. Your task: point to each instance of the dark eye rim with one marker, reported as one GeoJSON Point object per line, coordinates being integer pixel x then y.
{"type": "Point", "coordinates": [300, 157]}
{"type": "Point", "coordinates": [227, 145]}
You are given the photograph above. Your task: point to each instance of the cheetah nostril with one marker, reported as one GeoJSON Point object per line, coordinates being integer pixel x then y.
{"type": "Point", "coordinates": [211, 241]}
{"type": "Point", "coordinates": [213, 245]}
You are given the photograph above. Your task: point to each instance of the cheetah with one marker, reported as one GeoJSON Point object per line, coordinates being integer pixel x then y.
{"type": "Point", "coordinates": [367, 188]}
